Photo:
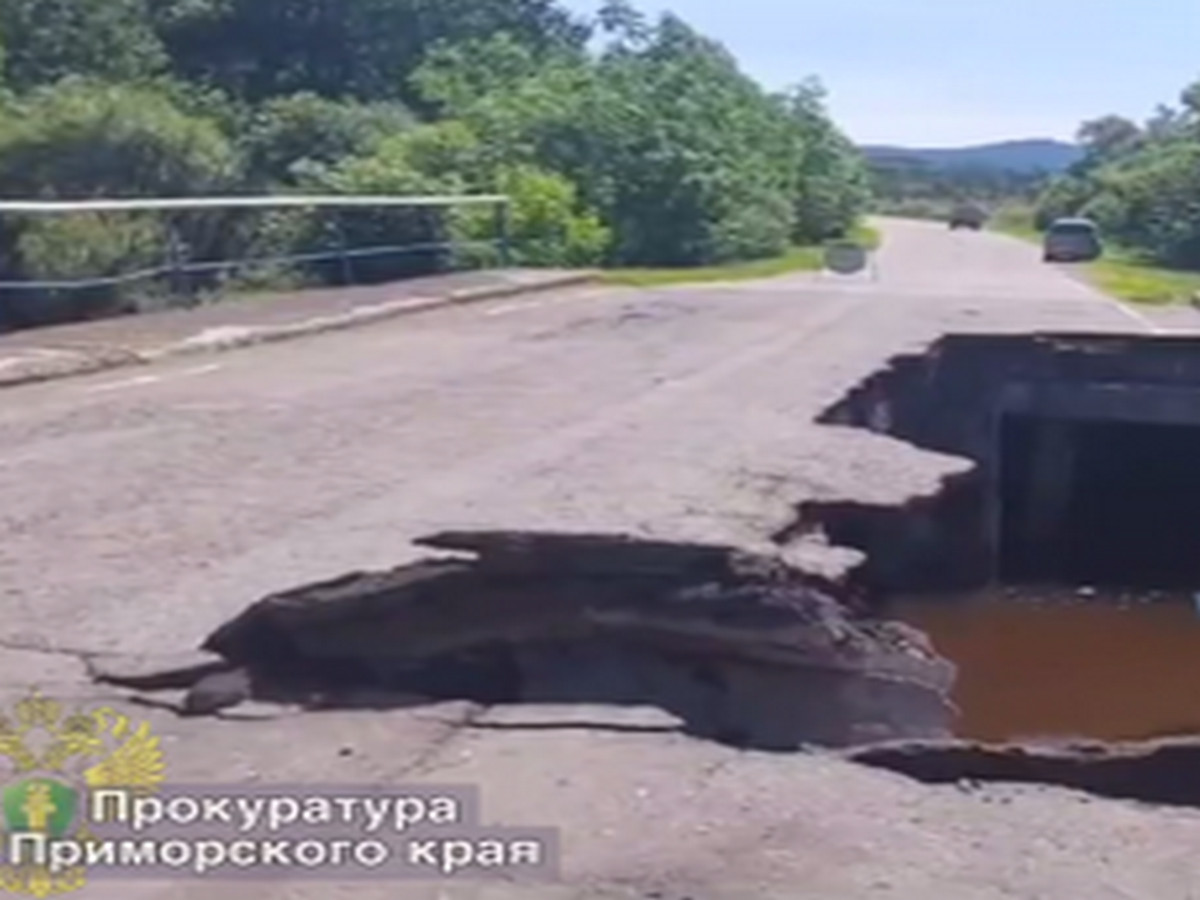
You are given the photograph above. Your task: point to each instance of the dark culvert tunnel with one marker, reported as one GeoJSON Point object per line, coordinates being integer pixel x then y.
{"type": "Point", "coordinates": [1086, 455]}
{"type": "Point", "coordinates": [1106, 503]}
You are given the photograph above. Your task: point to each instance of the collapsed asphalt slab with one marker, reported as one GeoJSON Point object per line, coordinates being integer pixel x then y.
{"type": "Point", "coordinates": [743, 648]}
{"type": "Point", "coordinates": [740, 648]}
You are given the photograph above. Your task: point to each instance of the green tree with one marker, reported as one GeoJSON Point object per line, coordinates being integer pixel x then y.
{"type": "Point", "coordinates": [1065, 197]}
{"type": "Point", "coordinates": [288, 135]}
{"type": "Point", "coordinates": [1160, 204]}
{"type": "Point", "coordinates": [417, 241]}
{"type": "Point", "coordinates": [47, 40]}
{"type": "Point", "coordinates": [1107, 139]}
{"type": "Point", "coordinates": [832, 185]}
{"type": "Point", "coordinates": [453, 75]}
{"type": "Point", "coordinates": [547, 226]}
{"type": "Point", "coordinates": [1166, 124]}
{"type": "Point", "coordinates": [365, 50]}
{"type": "Point", "coordinates": [80, 139]}
{"type": "Point", "coordinates": [1141, 185]}
{"type": "Point", "coordinates": [685, 158]}
{"type": "Point", "coordinates": [623, 24]}
{"type": "Point", "coordinates": [1190, 98]}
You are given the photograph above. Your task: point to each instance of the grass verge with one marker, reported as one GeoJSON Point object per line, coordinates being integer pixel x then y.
{"type": "Point", "coordinates": [798, 259]}
{"type": "Point", "coordinates": [1124, 276]}
{"type": "Point", "coordinates": [869, 237]}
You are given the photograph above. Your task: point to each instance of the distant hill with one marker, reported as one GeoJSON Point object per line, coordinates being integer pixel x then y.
{"type": "Point", "coordinates": [1012, 156]}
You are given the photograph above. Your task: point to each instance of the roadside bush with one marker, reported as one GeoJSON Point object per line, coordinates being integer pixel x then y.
{"type": "Point", "coordinates": [1108, 210]}
{"type": "Point", "coordinates": [287, 135]}
{"type": "Point", "coordinates": [78, 247]}
{"type": "Point", "coordinates": [1161, 204]}
{"type": "Point", "coordinates": [418, 239]}
{"type": "Point", "coordinates": [80, 140]}
{"type": "Point", "coordinates": [1064, 198]}
{"type": "Point", "coordinates": [48, 40]}
{"type": "Point", "coordinates": [545, 227]}
{"type": "Point", "coordinates": [449, 151]}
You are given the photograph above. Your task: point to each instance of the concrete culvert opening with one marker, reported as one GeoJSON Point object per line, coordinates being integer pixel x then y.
{"type": "Point", "coordinates": [1099, 503]}
{"type": "Point", "coordinates": [1086, 453]}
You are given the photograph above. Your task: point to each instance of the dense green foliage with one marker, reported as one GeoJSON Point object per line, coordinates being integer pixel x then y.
{"type": "Point", "coordinates": [1140, 183]}
{"type": "Point", "coordinates": [622, 140]}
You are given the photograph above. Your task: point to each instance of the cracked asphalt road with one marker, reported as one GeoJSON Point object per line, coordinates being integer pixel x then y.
{"type": "Point", "coordinates": [142, 509]}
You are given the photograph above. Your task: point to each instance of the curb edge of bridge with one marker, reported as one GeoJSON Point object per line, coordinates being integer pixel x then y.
{"type": "Point", "coordinates": [105, 359]}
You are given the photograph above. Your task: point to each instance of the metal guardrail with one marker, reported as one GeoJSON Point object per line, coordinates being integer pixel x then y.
{"type": "Point", "coordinates": [176, 265]}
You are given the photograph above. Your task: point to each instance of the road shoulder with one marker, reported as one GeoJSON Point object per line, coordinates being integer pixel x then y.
{"type": "Point", "coordinates": [47, 354]}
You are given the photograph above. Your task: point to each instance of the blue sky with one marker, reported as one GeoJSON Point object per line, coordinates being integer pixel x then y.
{"type": "Point", "coordinates": [945, 73]}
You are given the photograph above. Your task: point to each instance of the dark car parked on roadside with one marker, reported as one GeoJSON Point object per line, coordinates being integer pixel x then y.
{"type": "Point", "coordinates": [1072, 240]}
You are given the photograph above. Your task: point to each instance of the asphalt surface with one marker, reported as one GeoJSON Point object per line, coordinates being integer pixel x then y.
{"type": "Point", "coordinates": [141, 509]}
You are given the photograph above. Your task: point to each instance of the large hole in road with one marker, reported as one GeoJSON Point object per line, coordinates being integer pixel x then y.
{"type": "Point", "coordinates": [1060, 573]}
{"type": "Point", "coordinates": [1046, 594]}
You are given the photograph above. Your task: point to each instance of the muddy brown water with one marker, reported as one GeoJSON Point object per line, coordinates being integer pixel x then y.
{"type": "Point", "coordinates": [1058, 665]}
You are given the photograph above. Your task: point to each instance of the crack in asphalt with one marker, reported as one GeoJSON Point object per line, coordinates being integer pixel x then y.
{"type": "Point", "coordinates": [84, 656]}
{"type": "Point", "coordinates": [428, 758]}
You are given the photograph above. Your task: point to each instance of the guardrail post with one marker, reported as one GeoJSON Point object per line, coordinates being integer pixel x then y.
{"type": "Point", "coordinates": [176, 261]}
{"type": "Point", "coordinates": [339, 231]}
{"type": "Point", "coordinates": [503, 235]}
